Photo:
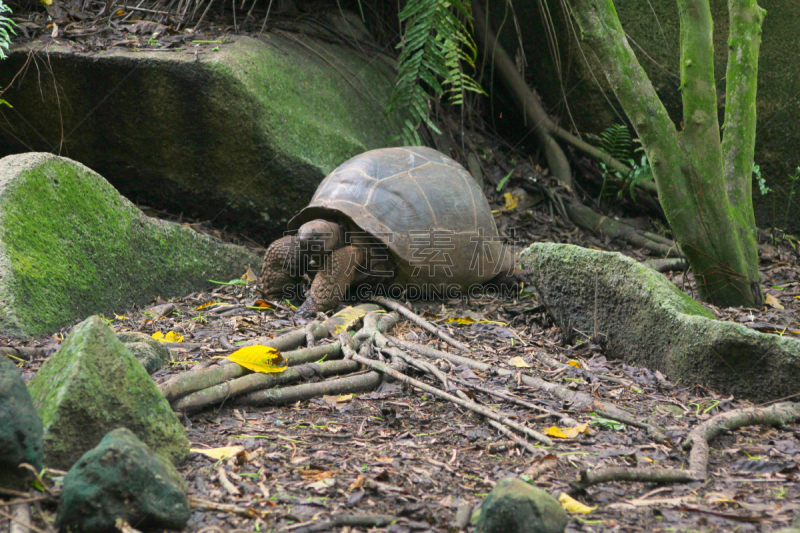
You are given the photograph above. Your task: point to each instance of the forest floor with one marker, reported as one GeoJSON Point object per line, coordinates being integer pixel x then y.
{"type": "Point", "coordinates": [401, 452]}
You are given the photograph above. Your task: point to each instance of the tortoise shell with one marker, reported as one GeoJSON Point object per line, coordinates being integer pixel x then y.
{"type": "Point", "coordinates": [422, 205]}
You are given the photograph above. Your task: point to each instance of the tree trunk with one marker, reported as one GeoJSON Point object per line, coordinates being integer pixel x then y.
{"type": "Point", "coordinates": [704, 184]}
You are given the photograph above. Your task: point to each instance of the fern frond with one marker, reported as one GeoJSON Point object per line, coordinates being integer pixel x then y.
{"type": "Point", "coordinates": [616, 140]}
{"type": "Point", "coordinates": [436, 46]}
{"type": "Point", "coordinates": [6, 25]}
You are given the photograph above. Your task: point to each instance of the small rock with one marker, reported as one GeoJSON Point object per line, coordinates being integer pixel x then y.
{"type": "Point", "coordinates": [92, 385]}
{"type": "Point", "coordinates": [20, 429]}
{"type": "Point", "coordinates": [152, 354]}
{"type": "Point", "coordinates": [122, 478]}
{"type": "Point", "coordinates": [514, 506]}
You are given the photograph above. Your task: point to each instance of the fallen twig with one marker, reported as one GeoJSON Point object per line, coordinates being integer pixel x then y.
{"type": "Point", "coordinates": [406, 312]}
{"type": "Point", "coordinates": [247, 512]}
{"type": "Point", "coordinates": [489, 413]}
{"type": "Point", "coordinates": [336, 521]}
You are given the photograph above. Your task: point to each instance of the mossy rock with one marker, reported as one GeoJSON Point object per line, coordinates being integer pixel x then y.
{"type": "Point", "coordinates": [646, 320]}
{"type": "Point", "coordinates": [152, 354]}
{"type": "Point", "coordinates": [217, 135]}
{"type": "Point", "coordinates": [71, 246]}
{"type": "Point", "coordinates": [20, 429]}
{"type": "Point", "coordinates": [93, 385]}
{"type": "Point", "coordinates": [514, 506]}
{"type": "Point", "coordinates": [122, 478]}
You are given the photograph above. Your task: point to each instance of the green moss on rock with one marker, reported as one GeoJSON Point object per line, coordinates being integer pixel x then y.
{"type": "Point", "coordinates": [217, 135]}
{"type": "Point", "coordinates": [71, 246]}
{"type": "Point", "coordinates": [93, 385]}
{"type": "Point", "coordinates": [648, 321]}
{"type": "Point", "coordinates": [122, 478]}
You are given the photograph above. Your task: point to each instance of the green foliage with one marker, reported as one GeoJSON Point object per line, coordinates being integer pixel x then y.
{"type": "Point", "coordinates": [436, 46]}
{"type": "Point", "coordinates": [6, 25]}
{"type": "Point", "coordinates": [762, 183]}
{"type": "Point", "coordinates": [617, 141]}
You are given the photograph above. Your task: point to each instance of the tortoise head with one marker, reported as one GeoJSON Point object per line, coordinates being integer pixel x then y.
{"type": "Point", "coordinates": [320, 237]}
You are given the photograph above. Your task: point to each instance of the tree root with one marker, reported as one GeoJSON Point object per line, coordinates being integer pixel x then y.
{"type": "Point", "coordinates": [198, 380]}
{"type": "Point", "coordinates": [666, 265]}
{"type": "Point", "coordinates": [589, 220]}
{"type": "Point", "coordinates": [777, 415]}
{"type": "Point", "coordinates": [254, 382]}
{"type": "Point", "coordinates": [332, 387]}
{"type": "Point", "coordinates": [415, 318]}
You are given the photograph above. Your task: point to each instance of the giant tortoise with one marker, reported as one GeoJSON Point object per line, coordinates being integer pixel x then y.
{"type": "Point", "coordinates": [411, 216]}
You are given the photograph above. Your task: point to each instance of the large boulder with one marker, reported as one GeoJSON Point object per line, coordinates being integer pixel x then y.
{"type": "Point", "coordinates": [646, 320]}
{"type": "Point", "coordinates": [20, 429]}
{"type": "Point", "coordinates": [122, 478]}
{"type": "Point", "coordinates": [71, 246]}
{"type": "Point", "coordinates": [654, 27]}
{"type": "Point", "coordinates": [214, 134]}
{"type": "Point", "coordinates": [93, 385]}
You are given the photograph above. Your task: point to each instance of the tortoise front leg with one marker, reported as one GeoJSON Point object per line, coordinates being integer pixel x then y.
{"type": "Point", "coordinates": [280, 270]}
{"type": "Point", "coordinates": [331, 283]}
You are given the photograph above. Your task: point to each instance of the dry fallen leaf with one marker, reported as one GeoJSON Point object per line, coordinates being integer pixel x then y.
{"type": "Point", "coordinates": [773, 302]}
{"type": "Point", "coordinates": [572, 505]}
{"type": "Point", "coordinates": [518, 362]}
{"type": "Point", "coordinates": [219, 453]}
{"type": "Point", "coordinates": [568, 433]}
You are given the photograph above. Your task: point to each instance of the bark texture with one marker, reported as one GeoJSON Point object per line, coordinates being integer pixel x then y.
{"type": "Point", "coordinates": [703, 182]}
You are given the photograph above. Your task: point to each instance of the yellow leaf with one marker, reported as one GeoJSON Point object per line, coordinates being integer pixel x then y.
{"type": "Point", "coordinates": [346, 318]}
{"type": "Point", "coordinates": [773, 302]}
{"type": "Point", "coordinates": [574, 363]}
{"type": "Point", "coordinates": [249, 276]}
{"type": "Point", "coordinates": [342, 398]}
{"type": "Point", "coordinates": [511, 202]}
{"type": "Point", "coordinates": [518, 362]}
{"type": "Point", "coordinates": [568, 433]}
{"type": "Point", "coordinates": [207, 304]}
{"type": "Point", "coordinates": [173, 337]}
{"type": "Point", "coordinates": [120, 13]}
{"type": "Point", "coordinates": [120, 317]}
{"type": "Point", "coordinates": [572, 505]}
{"type": "Point", "coordinates": [259, 358]}
{"type": "Point", "coordinates": [219, 453]}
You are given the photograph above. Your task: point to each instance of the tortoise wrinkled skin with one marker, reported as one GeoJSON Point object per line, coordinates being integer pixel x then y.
{"type": "Point", "coordinates": [421, 208]}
